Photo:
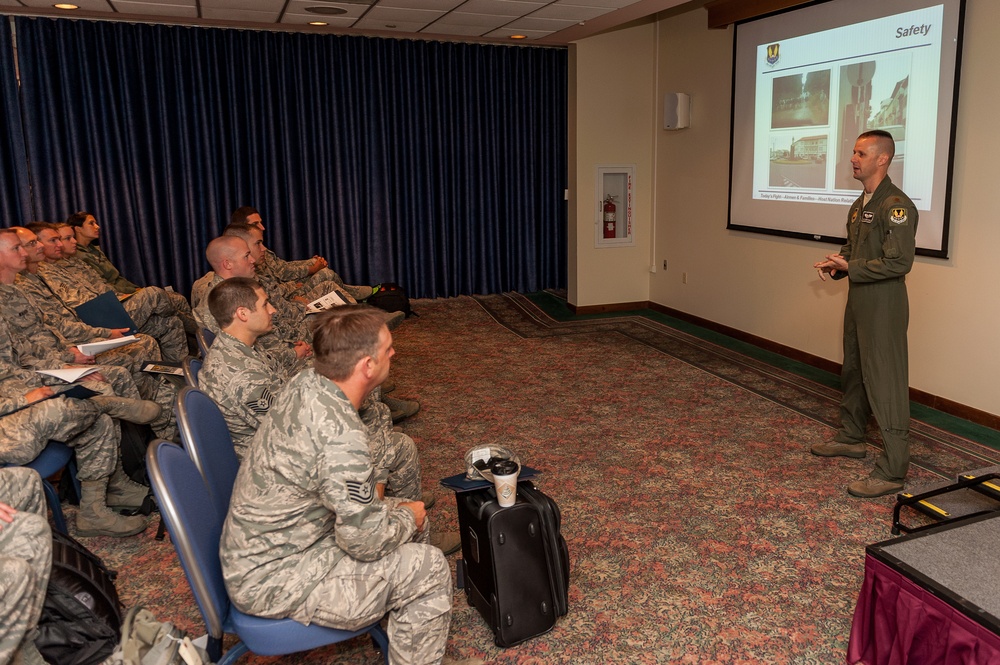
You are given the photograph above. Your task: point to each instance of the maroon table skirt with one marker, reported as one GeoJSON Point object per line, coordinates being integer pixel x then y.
{"type": "Point", "coordinates": [898, 622]}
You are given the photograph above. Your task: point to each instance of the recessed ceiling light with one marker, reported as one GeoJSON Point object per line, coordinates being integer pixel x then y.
{"type": "Point", "coordinates": [318, 23]}
{"type": "Point", "coordinates": [518, 37]}
{"type": "Point", "coordinates": [63, 5]}
{"type": "Point", "coordinates": [326, 11]}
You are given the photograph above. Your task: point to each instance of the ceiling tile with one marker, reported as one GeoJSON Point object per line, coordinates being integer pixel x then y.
{"type": "Point", "coordinates": [440, 5]}
{"type": "Point", "coordinates": [571, 12]}
{"type": "Point", "coordinates": [477, 20]}
{"type": "Point", "coordinates": [256, 5]}
{"type": "Point", "coordinates": [241, 15]}
{"type": "Point", "coordinates": [368, 23]}
{"type": "Point", "coordinates": [549, 24]}
{"type": "Point", "coordinates": [509, 8]}
{"type": "Point", "coordinates": [139, 7]}
{"type": "Point", "coordinates": [394, 15]}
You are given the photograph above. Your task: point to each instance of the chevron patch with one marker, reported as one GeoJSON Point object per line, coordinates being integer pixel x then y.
{"type": "Point", "coordinates": [362, 492]}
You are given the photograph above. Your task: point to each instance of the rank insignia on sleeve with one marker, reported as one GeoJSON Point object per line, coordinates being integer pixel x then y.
{"type": "Point", "coordinates": [263, 403]}
{"type": "Point", "coordinates": [362, 491]}
{"type": "Point", "coordinates": [897, 215]}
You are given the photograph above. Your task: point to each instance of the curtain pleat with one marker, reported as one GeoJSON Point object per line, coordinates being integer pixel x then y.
{"type": "Point", "coordinates": [440, 166]}
{"type": "Point", "coordinates": [15, 204]}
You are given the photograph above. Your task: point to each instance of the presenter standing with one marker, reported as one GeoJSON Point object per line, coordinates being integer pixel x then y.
{"type": "Point", "coordinates": [881, 229]}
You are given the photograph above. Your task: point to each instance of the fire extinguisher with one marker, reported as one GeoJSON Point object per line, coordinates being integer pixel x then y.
{"type": "Point", "coordinates": [610, 217]}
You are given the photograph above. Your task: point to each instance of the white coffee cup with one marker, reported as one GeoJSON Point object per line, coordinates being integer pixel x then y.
{"type": "Point", "coordinates": [505, 481]}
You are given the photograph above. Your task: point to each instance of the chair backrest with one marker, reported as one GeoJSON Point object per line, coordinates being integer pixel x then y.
{"type": "Point", "coordinates": [181, 494]}
{"type": "Point", "coordinates": [207, 440]}
{"type": "Point", "coordinates": [205, 338]}
{"type": "Point", "coordinates": [191, 367]}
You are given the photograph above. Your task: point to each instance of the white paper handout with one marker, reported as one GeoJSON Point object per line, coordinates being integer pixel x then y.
{"type": "Point", "coordinates": [329, 301]}
{"type": "Point", "coordinates": [68, 374]}
{"type": "Point", "coordinates": [93, 348]}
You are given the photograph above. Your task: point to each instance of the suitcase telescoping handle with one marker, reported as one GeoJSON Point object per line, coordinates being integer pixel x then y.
{"type": "Point", "coordinates": [478, 501]}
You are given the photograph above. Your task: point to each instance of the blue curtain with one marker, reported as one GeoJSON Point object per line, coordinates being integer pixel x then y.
{"type": "Point", "coordinates": [440, 166]}
{"type": "Point", "coordinates": [15, 202]}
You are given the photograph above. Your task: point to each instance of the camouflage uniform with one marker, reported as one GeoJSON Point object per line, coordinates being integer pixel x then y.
{"type": "Point", "coordinates": [290, 317]}
{"type": "Point", "coordinates": [25, 429]}
{"type": "Point", "coordinates": [25, 558]}
{"type": "Point", "coordinates": [66, 324]}
{"type": "Point", "coordinates": [394, 454]}
{"type": "Point", "coordinates": [295, 280]}
{"type": "Point", "coordinates": [244, 382]}
{"type": "Point", "coordinates": [95, 257]}
{"type": "Point", "coordinates": [201, 287]}
{"type": "Point", "coordinates": [308, 538]}
{"type": "Point", "coordinates": [36, 346]}
{"type": "Point", "coordinates": [76, 283]}
{"type": "Point", "coordinates": [270, 342]}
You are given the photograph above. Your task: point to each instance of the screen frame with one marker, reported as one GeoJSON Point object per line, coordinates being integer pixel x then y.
{"type": "Point", "coordinates": [952, 124]}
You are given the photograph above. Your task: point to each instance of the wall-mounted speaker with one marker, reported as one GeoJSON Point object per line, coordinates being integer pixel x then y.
{"type": "Point", "coordinates": [676, 110]}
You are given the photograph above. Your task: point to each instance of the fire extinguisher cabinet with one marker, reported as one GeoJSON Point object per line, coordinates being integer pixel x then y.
{"type": "Point", "coordinates": [613, 226]}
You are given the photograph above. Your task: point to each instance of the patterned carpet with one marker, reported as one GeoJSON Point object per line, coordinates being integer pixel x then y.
{"type": "Point", "coordinates": [700, 528]}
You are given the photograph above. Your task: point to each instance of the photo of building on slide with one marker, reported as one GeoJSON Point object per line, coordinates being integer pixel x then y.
{"type": "Point", "coordinates": [873, 95]}
{"type": "Point", "coordinates": [798, 161]}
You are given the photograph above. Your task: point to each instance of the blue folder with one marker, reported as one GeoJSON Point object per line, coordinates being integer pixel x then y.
{"type": "Point", "coordinates": [106, 311]}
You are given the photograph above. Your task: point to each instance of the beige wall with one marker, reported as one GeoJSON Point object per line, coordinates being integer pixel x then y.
{"type": "Point", "coordinates": [612, 116]}
{"type": "Point", "coordinates": [764, 285]}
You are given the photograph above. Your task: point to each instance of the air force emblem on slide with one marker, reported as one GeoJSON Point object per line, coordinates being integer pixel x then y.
{"type": "Point", "coordinates": [772, 53]}
{"type": "Point", "coordinates": [362, 491]}
{"type": "Point", "coordinates": [897, 215]}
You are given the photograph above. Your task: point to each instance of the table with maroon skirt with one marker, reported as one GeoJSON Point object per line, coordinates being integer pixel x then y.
{"type": "Point", "coordinates": [931, 597]}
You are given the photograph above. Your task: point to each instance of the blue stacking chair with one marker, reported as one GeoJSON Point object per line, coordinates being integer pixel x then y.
{"type": "Point", "coordinates": [182, 494]}
{"type": "Point", "coordinates": [54, 457]}
{"type": "Point", "coordinates": [208, 443]}
{"type": "Point", "coordinates": [205, 338]}
{"type": "Point", "coordinates": [191, 367]}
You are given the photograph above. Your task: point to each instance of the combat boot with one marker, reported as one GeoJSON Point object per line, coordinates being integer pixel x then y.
{"type": "Point", "coordinates": [138, 411]}
{"type": "Point", "coordinates": [123, 492]}
{"type": "Point", "coordinates": [401, 409]}
{"type": "Point", "coordinates": [96, 519]}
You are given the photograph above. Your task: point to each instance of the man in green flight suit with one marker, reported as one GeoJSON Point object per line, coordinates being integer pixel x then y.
{"type": "Point", "coordinates": [881, 241]}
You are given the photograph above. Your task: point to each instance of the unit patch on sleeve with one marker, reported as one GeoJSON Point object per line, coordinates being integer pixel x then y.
{"type": "Point", "coordinates": [897, 215]}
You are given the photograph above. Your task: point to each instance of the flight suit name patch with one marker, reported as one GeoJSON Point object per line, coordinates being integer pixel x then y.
{"type": "Point", "coordinates": [897, 215]}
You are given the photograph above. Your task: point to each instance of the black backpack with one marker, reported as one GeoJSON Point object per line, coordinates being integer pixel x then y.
{"type": "Point", "coordinates": [81, 618]}
{"type": "Point", "coordinates": [390, 297]}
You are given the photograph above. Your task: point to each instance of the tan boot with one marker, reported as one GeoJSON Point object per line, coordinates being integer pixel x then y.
{"type": "Point", "coordinates": [123, 492]}
{"type": "Point", "coordinates": [96, 519]}
{"type": "Point", "coordinates": [448, 542]}
{"type": "Point", "coordinates": [138, 411]}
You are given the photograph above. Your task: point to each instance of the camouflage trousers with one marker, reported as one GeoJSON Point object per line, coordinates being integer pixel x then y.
{"type": "Point", "coordinates": [153, 315]}
{"type": "Point", "coordinates": [401, 459]}
{"type": "Point", "coordinates": [412, 583]}
{"type": "Point", "coordinates": [76, 422]}
{"type": "Point", "coordinates": [25, 558]}
{"type": "Point", "coordinates": [183, 309]}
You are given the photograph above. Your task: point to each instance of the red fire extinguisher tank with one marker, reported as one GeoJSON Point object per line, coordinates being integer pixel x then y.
{"type": "Point", "coordinates": [610, 218]}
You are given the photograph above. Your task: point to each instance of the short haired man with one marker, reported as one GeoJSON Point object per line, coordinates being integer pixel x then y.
{"type": "Point", "coordinates": [88, 233]}
{"type": "Point", "coordinates": [303, 276]}
{"type": "Point", "coordinates": [70, 330]}
{"type": "Point", "coordinates": [230, 256]}
{"type": "Point", "coordinates": [244, 380]}
{"type": "Point", "coordinates": [881, 242]}
{"type": "Point", "coordinates": [308, 536]}
{"type": "Point", "coordinates": [25, 562]}
{"type": "Point", "coordinates": [75, 283]}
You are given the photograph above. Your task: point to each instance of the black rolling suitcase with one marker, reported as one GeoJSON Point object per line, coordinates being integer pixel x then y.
{"type": "Point", "coordinates": [515, 563]}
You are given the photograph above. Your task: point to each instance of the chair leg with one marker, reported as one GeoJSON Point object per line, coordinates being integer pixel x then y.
{"type": "Point", "coordinates": [52, 497]}
{"type": "Point", "coordinates": [380, 640]}
{"type": "Point", "coordinates": [231, 656]}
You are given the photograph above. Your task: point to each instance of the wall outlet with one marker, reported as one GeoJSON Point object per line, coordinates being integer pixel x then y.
{"type": "Point", "coordinates": [664, 264]}
{"type": "Point", "coordinates": [684, 278]}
